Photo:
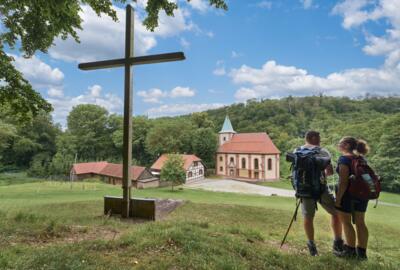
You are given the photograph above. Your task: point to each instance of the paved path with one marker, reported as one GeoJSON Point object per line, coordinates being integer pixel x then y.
{"type": "Point", "coordinates": [227, 185]}
{"type": "Point", "coordinates": [239, 187]}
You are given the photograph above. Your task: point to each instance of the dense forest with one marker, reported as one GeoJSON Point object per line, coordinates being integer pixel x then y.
{"type": "Point", "coordinates": [44, 149]}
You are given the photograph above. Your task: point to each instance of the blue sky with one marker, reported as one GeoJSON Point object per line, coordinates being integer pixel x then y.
{"type": "Point", "coordinates": [257, 49]}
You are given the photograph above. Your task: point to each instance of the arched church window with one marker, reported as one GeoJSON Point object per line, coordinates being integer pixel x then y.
{"type": "Point", "coordinates": [256, 164]}
{"type": "Point", "coordinates": [269, 164]}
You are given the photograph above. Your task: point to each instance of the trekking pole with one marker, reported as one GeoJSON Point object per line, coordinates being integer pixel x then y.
{"type": "Point", "coordinates": [291, 222]}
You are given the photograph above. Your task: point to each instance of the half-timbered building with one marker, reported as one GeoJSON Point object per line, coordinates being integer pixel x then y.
{"type": "Point", "coordinates": [193, 166]}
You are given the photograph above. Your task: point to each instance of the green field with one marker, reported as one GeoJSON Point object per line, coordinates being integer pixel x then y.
{"type": "Point", "coordinates": [55, 225]}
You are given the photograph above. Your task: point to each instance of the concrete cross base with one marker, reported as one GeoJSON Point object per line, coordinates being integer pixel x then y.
{"type": "Point", "coordinates": [150, 209]}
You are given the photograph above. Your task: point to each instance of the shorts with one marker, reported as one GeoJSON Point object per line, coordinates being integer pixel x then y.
{"type": "Point", "coordinates": [327, 201]}
{"type": "Point", "coordinates": [350, 204]}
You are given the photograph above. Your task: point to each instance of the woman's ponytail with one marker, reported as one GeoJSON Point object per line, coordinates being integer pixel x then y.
{"type": "Point", "coordinates": [362, 147]}
{"type": "Point", "coordinates": [357, 147]}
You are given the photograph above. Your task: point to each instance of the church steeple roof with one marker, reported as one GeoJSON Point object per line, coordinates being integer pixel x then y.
{"type": "Point", "coordinates": [227, 126]}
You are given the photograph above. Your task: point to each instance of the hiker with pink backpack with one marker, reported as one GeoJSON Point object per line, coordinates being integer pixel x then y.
{"type": "Point", "coordinates": [358, 184]}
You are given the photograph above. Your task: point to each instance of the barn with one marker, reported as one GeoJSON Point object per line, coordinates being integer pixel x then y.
{"type": "Point", "coordinates": [112, 173]}
{"type": "Point", "coordinates": [193, 166]}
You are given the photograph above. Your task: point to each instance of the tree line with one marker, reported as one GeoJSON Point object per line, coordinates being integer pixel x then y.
{"type": "Point", "coordinates": [93, 134]}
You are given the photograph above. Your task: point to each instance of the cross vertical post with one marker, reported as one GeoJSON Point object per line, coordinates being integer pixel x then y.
{"type": "Point", "coordinates": [124, 208]}
{"type": "Point", "coordinates": [127, 138]}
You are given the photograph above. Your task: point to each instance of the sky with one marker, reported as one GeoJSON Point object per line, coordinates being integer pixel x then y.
{"type": "Point", "coordinates": [257, 49]}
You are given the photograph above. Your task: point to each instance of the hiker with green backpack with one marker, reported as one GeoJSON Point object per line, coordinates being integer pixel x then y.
{"type": "Point", "coordinates": [358, 183]}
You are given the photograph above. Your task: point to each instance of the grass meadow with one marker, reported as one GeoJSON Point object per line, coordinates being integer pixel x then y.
{"type": "Point", "coordinates": [56, 225]}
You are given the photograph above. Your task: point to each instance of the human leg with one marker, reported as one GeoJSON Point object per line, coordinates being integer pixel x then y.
{"type": "Point", "coordinates": [328, 203]}
{"type": "Point", "coordinates": [362, 234]}
{"type": "Point", "coordinates": [350, 234]}
{"type": "Point", "coordinates": [309, 227]}
{"type": "Point", "coordinates": [361, 229]}
{"type": "Point", "coordinates": [349, 250]}
{"type": "Point", "coordinates": [308, 211]}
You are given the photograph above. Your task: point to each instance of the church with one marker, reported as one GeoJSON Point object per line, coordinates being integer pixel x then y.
{"type": "Point", "coordinates": [246, 156]}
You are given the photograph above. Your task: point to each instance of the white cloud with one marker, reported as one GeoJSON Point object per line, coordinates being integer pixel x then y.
{"type": "Point", "coordinates": [210, 34]}
{"type": "Point", "coordinates": [38, 73]}
{"type": "Point", "coordinates": [184, 43]}
{"type": "Point", "coordinates": [352, 12]}
{"type": "Point", "coordinates": [274, 80]}
{"type": "Point", "coordinates": [152, 96]}
{"type": "Point", "coordinates": [307, 4]}
{"type": "Point", "coordinates": [95, 90]}
{"type": "Point", "coordinates": [55, 92]}
{"type": "Point", "coordinates": [200, 5]}
{"type": "Point", "coordinates": [182, 92]}
{"type": "Point", "coordinates": [264, 4]}
{"type": "Point", "coordinates": [220, 68]}
{"type": "Point", "coordinates": [358, 12]}
{"type": "Point", "coordinates": [219, 71]}
{"type": "Point", "coordinates": [179, 109]}
{"type": "Point", "coordinates": [102, 38]}
{"type": "Point", "coordinates": [63, 105]}
{"type": "Point", "coordinates": [213, 91]}
{"type": "Point", "coordinates": [155, 95]}
{"type": "Point", "coordinates": [235, 54]}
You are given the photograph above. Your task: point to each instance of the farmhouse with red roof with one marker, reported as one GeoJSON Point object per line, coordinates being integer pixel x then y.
{"type": "Point", "coordinates": [112, 173]}
{"type": "Point", "coordinates": [193, 166]}
{"type": "Point", "coordinates": [247, 156]}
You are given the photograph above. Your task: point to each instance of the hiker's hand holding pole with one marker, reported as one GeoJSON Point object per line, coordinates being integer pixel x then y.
{"type": "Point", "coordinates": [338, 203]}
{"type": "Point", "coordinates": [329, 170]}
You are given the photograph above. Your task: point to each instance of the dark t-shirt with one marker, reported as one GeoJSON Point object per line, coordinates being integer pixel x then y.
{"type": "Point", "coordinates": [344, 160]}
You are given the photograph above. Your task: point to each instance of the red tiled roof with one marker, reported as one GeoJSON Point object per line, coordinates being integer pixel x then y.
{"type": "Point", "coordinates": [188, 160]}
{"type": "Point", "coordinates": [115, 170]}
{"type": "Point", "coordinates": [89, 167]}
{"type": "Point", "coordinates": [249, 143]}
{"type": "Point", "coordinates": [107, 169]}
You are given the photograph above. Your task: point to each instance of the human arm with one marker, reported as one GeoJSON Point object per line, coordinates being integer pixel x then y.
{"type": "Point", "coordinates": [343, 183]}
{"type": "Point", "coordinates": [329, 170]}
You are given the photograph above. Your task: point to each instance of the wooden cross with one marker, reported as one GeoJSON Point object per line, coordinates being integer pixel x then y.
{"type": "Point", "coordinates": [128, 62]}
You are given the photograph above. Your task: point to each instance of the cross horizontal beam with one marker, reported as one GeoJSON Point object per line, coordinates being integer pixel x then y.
{"type": "Point", "coordinates": [139, 60]}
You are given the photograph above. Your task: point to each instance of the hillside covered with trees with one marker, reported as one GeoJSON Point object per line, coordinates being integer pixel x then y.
{"type": "Point", "coordinates": [44, 149]}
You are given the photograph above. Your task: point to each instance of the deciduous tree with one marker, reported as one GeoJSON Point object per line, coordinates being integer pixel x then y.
{"type": "Point", "coordinates": [173, 170]}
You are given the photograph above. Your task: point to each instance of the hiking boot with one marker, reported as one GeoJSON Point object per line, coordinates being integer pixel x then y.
{"type": "Point", "coordinates": [348, 252]}
{"type": "Point", "coordinates": [361, 253]}
{"type": "Point", "coordinates": [312, 248]}
{"type": "Point", "coordinates": [337, 246]}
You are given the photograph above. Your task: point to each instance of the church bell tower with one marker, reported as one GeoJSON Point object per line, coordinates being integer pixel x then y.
{"type": "Point", "coordinates": [226, 132]}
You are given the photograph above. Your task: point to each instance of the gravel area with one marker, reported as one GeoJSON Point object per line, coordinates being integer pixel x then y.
{"type": "Point", "coordinates": [227, 185]}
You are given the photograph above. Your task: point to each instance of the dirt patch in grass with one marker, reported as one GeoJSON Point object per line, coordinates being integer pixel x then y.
{"type": "Point", "coordinates": [69, 235]}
